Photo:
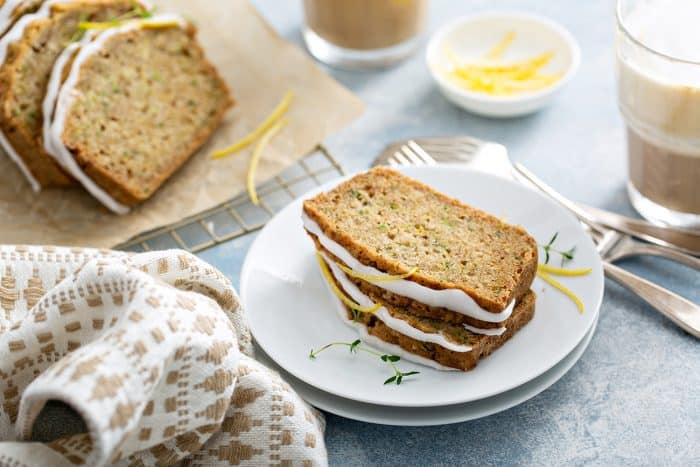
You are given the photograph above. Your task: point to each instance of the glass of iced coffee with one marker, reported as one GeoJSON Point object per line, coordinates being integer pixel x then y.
{"type": "Point", "coordinates": [658, 69]}
{"type": "Point", "coordinates": [360, 34]}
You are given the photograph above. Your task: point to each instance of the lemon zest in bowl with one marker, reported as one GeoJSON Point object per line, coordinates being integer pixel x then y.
{"type": "Point", "coordinates": [276, 114]}
{"type": "Point", "coordinates": [562, 271]}
{"type": "Point", "coordinates": [384, 278]}
{"type": "Point", "coordinates": [339, 293]}
{"type": "Point", "coordinates": [557, 285]}
{"type": "Point", "coordinates": [498, 49]}
{"type": "Point", "coordinates": [491, 75]}
{"type": "Point", "coordinates": [255, 158]}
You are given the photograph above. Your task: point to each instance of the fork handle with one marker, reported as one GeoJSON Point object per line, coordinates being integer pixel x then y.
{"type": "Point", "coordinates": [669, 253]}
{"type": "Point", "coordinates": [681, 311]}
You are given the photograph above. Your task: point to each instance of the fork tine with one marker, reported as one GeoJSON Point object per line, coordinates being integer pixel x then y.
{"type": "Point", "coordinates": [411, 156]}
{"type": "Point", "coordinates": [426, 158]}
{"type": "Point", "coordinates": [401, 159]}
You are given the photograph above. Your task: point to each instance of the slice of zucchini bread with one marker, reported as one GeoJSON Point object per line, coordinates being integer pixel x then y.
{"type": "Point", "coordinates": [395, 224]}
{"type": "Point", "coordinates": [137, 103]}
{"type": "Point", "coordinates": [27, 53]}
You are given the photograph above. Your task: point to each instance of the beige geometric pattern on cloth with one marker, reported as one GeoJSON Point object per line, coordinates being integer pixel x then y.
{"type": "Point", "coordinates": [151, 353]}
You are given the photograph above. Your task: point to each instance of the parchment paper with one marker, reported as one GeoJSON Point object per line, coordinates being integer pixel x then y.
{"type": "Point", "coordinates": [259, 67]}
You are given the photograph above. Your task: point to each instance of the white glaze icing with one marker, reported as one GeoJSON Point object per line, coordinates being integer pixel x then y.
{"type": "Point", "coordinates": [452, 299]}
{"type": "Point", "coordinates": [13, 35]}
{"type": "Point", "coordinates": [64, 100]}
{"type": "Point", "coordinates": [6, 11]}
{"type": "Point", "coordinates": [486, 332]}
{"type": "Point", "coordinates": [54, 87]}
{"type": "Point", "coordinates": [383, 314]}
{"type": "Point", "coordinates": [379, 344]}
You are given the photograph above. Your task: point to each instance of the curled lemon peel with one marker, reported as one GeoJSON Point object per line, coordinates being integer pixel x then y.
{"type": "Point", "coordinates": [563, 272]}
{"type": "Point", "coordinates": [557, 285]}
{"type": "Point", "coordinates": [260, 130]}
{"type": "Point", "coordinates": [366, 277]}
{"type": "Point", "coordinates": [255, 158]}
{"type": "Point", "coordinates": [339, 293]}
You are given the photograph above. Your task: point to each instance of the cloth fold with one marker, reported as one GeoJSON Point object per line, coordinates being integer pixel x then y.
{"type": "Point", "coordinates": [151, 352]}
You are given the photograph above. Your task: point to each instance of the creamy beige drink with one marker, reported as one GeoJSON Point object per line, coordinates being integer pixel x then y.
{"type": "Point", "coordinates": [365, 24]}
{"type": "Point", "coordinates": [658, 64]}
{"type": "Point", "coordinates": [360, 28]}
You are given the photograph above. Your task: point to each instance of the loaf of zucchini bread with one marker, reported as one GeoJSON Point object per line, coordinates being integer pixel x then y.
{"type": "Point", "coordinates": [103, 94]}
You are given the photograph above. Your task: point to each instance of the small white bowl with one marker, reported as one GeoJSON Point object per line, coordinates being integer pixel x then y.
{"type": "Point", "coordinates": [473, 36]}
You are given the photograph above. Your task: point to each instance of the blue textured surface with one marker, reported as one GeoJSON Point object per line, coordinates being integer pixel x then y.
{"type": "Point", "coordinates": [634, 397]}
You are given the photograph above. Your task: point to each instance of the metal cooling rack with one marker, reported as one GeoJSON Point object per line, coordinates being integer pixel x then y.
{"type": "Point", "coordinates": [239, 216]}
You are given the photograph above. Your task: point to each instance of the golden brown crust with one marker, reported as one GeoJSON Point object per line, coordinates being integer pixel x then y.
{"type": "Point", "coordinates": [497, 267]}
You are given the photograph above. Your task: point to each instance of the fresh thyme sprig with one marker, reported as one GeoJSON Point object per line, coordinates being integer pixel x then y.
{"type": "Point", "coordinates": [355, 347]}
{"type": "Point", "coordinates": [566, 256]}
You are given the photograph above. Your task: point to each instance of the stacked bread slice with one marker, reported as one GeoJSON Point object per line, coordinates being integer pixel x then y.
{"type": "Point", "coordinates": [101, 93]}
{"type": "Point", "coordinates": [435, 280]}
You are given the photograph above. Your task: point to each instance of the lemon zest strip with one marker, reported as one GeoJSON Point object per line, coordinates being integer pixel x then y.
{"type": "Point", "coordinates": [557, 285]}
{"type": "Point", "coordinates": [498, 49]}
{"type": "Point", "coordinates": [101, 26]}
{"type": "Point", "coordinates": [365, 277]}
{"type": "Point", "coordinates": [563, 272]}
{"type": "Point", "coordinates": [329, 278]}
{"type": "Point", "coordinates": [255, 158]}
{"type": "Point", "coordinates": [159, 24]}
{"type": "Point", "coordinates": [259, 131]}
{"type": "Point", "coordinates": [84, 25]}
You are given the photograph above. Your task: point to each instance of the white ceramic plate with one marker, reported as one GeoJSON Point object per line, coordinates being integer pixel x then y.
{"type": "Point", "coordinates": [291, 311]}
{"type": "Point", "coordinates": [428, 416]}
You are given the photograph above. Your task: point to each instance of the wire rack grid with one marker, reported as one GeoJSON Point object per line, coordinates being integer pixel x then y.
{"type": "Point", "coordinates": [239, 216]}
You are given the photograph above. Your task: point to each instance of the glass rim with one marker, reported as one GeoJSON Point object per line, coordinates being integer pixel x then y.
{"type": "Point", "coordinates": [637, 41]}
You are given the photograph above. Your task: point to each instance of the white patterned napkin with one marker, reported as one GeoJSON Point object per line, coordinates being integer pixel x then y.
{"type": "Point", "coordinates": [143, 359]}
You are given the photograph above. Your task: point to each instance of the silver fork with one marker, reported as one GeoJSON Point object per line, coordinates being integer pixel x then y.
{"type": "Point", "coordinates": [681, 311]}
{"type": "Point", "coordinates": [611, 245]}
